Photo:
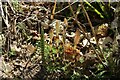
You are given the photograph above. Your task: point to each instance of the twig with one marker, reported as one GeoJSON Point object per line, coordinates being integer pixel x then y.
{"type": "Point", "coordinates": [65, 7]}
{"type": "Point", "coordinates": [92, 28]}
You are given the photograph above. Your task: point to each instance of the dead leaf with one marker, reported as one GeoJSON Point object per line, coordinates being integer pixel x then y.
{"type": "Point", "coordinates": [102, 30]}
{"type": "Point", "coordinates": [65, 22]}
{"type": "Point", "coordinates": [68, 49]}
{"type": "Point", "coordinates": [72, 53]}
{"type": "Point", "coordinates": [31, 48]}
{"type": "Point", "coordinates": [77, 37]}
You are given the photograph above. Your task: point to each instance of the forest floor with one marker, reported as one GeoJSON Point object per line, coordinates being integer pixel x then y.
{"type": "Point", "coordinates": [55, 41]}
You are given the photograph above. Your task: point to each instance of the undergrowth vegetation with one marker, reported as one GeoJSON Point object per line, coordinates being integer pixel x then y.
{"type": "Point", "coordinates": [59, 41]}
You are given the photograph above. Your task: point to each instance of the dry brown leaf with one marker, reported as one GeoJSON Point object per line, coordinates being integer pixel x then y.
{"type": "Point", "coordinates": [72, 53]}
{"type": "Point", "coordinates": [102, 30]}
{"type": "Point", "coordinates": [31, 48]}
{"type": "Point", "coordinates": [68, 49]}
{"type": "Point", "coordinates": [77, 37]}
{"type": "Point", "coordinates": [65, 22]}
